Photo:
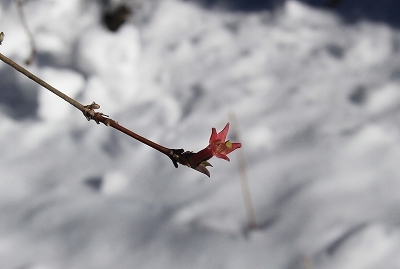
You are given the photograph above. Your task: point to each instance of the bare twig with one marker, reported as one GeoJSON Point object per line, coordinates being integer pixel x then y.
{"type": "Point", "coordinates": [197, 161]}
{"type": "Point", "coordinates": [24, 23]}
{"type": "Point", "coordinates": [1, 37]}
{"type": "Point", "coordinates": [98, 117]}
{"type": "Point", "coordinates": [244, 181]}
{"type": "Point", "coordinates": [176, 155]}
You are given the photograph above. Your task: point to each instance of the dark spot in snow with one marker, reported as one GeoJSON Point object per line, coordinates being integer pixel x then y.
{"type": "Point", "coordinates": [245, 52]}
{"type": "Point", "coordinates": [395, 74]}
{"type": "Point", "coordinates": [338, 243]}
{"type": "Point", "coordinates": [172, 47]}
{"type": "Point", "coordinates": [195, 40]}
{"type": "Point", "coordinates": [114, 18]}
{"type": "Point", "coordinates": [17, 99]}
{"type": "Point", "coordinates": [232, 26]}
{"type": "Point", "coordinates": [335, 50]}
{"type": "Point", "coordinates": [94, 183]}
{"type": "Point", "coordinates": [112, 145]}
{"type": "Point", "coordinates": [194, 95]}
{"type": "Point", "coordinates": [358, 96]}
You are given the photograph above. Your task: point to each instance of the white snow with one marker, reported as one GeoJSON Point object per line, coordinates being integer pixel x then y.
{"type": "Point", "coordinates": [71, 83]}
{"type": "Point", "coordinates": [317, 105]}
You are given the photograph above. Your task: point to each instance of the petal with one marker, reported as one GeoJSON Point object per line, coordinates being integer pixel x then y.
{"type": "Point", "coordinates": [222, 135]}
{"type": "Point", "coordinates": [236, 146]}
{"type": "Point", "coordinates": [213, 136]}
{"type": "Point", "coordinates": [222, 156]}
{"type": "Point", "coordinates": [231, 147]}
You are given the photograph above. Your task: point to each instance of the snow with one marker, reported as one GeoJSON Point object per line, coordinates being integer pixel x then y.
{"type": "Point", "coordinates": [67, 81]}
{"type": "Point", "coordinates": [316, 104]}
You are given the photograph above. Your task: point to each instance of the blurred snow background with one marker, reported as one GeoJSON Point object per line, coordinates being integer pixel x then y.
{"type": "Point", "coordinates": [316, 94]}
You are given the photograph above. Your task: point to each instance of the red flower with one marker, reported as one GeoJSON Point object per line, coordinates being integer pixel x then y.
{"type": "Point", "coordinates": [217, 147]}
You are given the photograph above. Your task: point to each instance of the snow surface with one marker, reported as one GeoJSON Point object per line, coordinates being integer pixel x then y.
{"type": "Point", "coordinates": [317, 105]}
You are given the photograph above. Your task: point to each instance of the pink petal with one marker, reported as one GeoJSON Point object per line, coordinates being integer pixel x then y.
{"type": "Point", "coordinates": [213, 136]}
{"type": "Point", "coordinates": [235, 146]}
{"type": "Point", "coordinates": [222, 156]}
{"type": "Point", "coordinates": [222, 135]}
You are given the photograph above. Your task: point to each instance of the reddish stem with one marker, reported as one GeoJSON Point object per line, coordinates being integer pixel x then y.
{"type": "Point", "coordinates": [99, 117]}
{"type": "Point", "coordinates": [176, 155]}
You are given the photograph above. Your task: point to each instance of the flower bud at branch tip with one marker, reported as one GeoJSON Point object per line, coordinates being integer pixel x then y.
{"type": "Point", "coordinates": [218, 147]}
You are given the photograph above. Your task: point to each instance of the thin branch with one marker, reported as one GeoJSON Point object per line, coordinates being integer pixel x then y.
{"type": "Point", "coordinates": [98, 117]}
{"type": "Point", "coordinates": [176, 155]}
{"type": "Point", "coordinates": [24, 23]}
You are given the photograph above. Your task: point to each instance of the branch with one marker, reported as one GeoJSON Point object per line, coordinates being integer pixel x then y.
{"type": "Point", "coordinates": [176, 155]}
{"type": "Point", "coordinates": [199, 161]}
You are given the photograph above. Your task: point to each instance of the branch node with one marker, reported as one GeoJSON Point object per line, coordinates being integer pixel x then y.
{"type": "Point", "coordinates": [178, 156]}
{"type": "Point", "coordinates": [175, 156]}
{"type": "Point", "coordinates": [90, 114]}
